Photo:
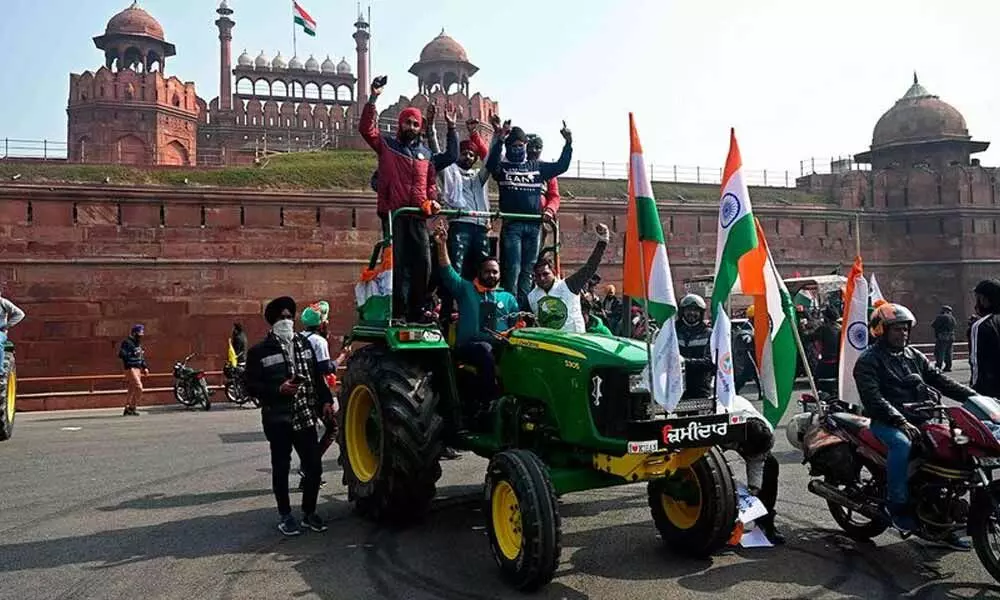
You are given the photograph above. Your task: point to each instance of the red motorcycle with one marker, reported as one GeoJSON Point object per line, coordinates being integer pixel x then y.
{"type": "Point", "coordinates": [951, 470]}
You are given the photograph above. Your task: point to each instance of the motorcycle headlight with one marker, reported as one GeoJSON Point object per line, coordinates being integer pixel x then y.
{"type": "Point", "coordinates": [638, 384]}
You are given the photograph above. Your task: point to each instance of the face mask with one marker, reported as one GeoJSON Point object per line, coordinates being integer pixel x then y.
{"type": "Point", "coordinates": [516, 154]}
{"type": "Point", "coordinates": [284, 329]}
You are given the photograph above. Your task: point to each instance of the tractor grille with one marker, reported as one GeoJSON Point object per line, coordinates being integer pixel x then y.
{"type": "Point", "coordinates": [611, 404]}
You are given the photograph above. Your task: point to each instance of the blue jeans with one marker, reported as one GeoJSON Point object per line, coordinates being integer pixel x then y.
{"type": "Point", "coordinates": [897, 462]}
{"type": "Point", "coordinates": [3, 342]}
{"type": "Point", "coordinates": [519, 245]}
{"type": "Point", "coordinates": [468, 245]}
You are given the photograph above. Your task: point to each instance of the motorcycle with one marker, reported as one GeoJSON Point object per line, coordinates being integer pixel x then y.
{"type": "Point", "coordinates": [235, 385]}
{"type": "Point", "coordinates": [190, 385]}
{"type": "Point", "coordinates": [952, 465]}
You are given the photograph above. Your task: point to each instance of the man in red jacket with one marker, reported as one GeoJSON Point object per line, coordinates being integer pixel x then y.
{"type": "Point", "coordinates": [406, 178]}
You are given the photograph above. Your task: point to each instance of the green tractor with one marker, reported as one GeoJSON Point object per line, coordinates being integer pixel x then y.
{"type": "Point", "coordinates": [575, 413]}
{"type": "Point", "coordinates": [8, 392]}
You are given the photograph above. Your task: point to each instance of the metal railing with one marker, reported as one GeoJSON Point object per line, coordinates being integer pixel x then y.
{"type": "Point", "coordinates": [94, 381]}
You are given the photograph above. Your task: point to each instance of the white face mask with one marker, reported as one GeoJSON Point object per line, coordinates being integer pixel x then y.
{"type": "Point", "coordinates": [284, 329]}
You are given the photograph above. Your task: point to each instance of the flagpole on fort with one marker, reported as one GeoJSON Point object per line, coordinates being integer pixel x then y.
{"type": "Point", "coordinates": [295, 42]}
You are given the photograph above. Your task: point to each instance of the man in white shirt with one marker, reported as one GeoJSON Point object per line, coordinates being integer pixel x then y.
{"type": "Point", "coordinates": [10, 315]}
{"type": "Point", "coordinates": [555, 301]}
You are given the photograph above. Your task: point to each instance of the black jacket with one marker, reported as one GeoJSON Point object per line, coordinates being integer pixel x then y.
{"type": "Point", "coordinates": [879, 375]}
{"type": "Point", "coordinates": [132, 354]}
{"type": "Point", "coordinates": [695, 343]}
{"type": "Point", "coordinates": [984, 349]}
{"type": "Point", "coordinates": [944, 327]}
{"type": "Point", "coordinates": [239, 343]}
{"type": "Point", "coordinates": [267, 369]}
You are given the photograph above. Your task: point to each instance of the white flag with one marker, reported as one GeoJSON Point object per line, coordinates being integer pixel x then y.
{"type": "Point", "coordinates": [668, 378]}
{"type": "Point", "coordinates": [722, 354]}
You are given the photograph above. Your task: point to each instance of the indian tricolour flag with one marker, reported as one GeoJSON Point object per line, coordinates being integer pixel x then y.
{"type": "Point", "coordinates": [875, 296]}
{"type": "Point", "coordinates": [302, 18]}
{"type": "Point", "coordinates": [647, 277]}
{"type": "Point", "coordinates": [775, 349]}
{"type": "Point", "coordinates": [737, 236]}
{"type": "Point", "coordinates": [854, 335]}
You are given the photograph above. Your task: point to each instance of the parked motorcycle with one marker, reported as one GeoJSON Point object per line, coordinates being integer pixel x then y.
{"type": "Point", "coordinates": [190, 385]}
{"type": "Point", "coordinates": [235, 385]}
{"type": "Point", "coordinates": [952, 467]}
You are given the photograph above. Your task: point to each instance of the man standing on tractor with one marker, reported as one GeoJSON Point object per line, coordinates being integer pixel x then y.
{"type": "Point", "coordinates": [280, 373]}
{"type": "Point", "coordinates": [555, 301]}
{"type": "Point", "coordinates": [406, 178]}
{"type": "Point", "coordinates": [550, 189]}
{"type": "Point", "coordinates": [694, 339]}
{"type": "Point", "coordinates": [484, 309]}
{"type": "Point", "coordinates": [520, 183]}
{"type": "Point", "coordinates": [984, 339]}
{"type": "Point", "coordinates": [463, 187]}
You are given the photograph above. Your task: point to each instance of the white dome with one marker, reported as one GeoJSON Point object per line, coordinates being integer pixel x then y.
{"type": "Point", "coordinates": [312, 64]}
{"type": "Point", "coordinates": [262, 61]}
{"type": "Point", "coordinates": [295, 63]}
{"type": "Point", "coordinates": [328, 65]}
{"type": "Point", "coordinates": [344, 68]}
{"type": "Point", "coordinates": [244, 60]}
{"type": "Point", "coordinates": [279, 62]}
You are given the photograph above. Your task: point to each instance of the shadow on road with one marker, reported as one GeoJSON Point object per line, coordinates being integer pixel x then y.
{"type": "Point", "coordinates": [161, 501]}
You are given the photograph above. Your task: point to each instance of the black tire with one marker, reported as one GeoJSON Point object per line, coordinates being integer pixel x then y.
{"type": "Point", "coordinates": [984, 522]}
{"type": "Point", "coordinates": [702, 523]}
{"type": "Point", "coordinates": [529, 559]}
{"type": "Point", "coordinates": [233, 393]}
{"type": "Point", "coordinates": [859, 527]}
{"type": "Point", "coordinates": [8, 397]}
{"type": "Point", "coordinates": [390, 474]}
{"type": "Point", "coordinates": [184, 394]}
{"type": "Point", "coordinates": [206, 394]}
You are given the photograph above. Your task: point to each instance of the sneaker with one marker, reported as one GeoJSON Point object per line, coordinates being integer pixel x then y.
{"type": "Point", "coordinates": [450, 454]}
{"type": "Point", "coordinates": [289, 526]}
{"type": "Point", "coordinates": [127, 412]}
{"type": "Point", "coordinates": [314, 522]}
{"type": "Point", "coordinates": [774, 536]}
{"type": "Point", "coordinates": [901, 522]}
{"type": "Point", "coordinates": [954, 541]}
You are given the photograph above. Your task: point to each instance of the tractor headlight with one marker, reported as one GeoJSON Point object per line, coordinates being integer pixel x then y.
{"type": "Point", "coordinates": [638, 383]}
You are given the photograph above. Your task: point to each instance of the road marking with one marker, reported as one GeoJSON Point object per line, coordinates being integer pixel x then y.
{"type": "Point", "coordinates": [70, 428]}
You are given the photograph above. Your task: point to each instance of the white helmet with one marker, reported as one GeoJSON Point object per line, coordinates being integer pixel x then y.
{"type": "Point", "coordinates": [797, 427]}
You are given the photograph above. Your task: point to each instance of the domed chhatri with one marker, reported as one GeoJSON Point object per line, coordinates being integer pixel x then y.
{"type": "Point", "coordinates": [919, 116]}
{"type": "Point", "coordinates": [244, 60]}
{"type": "Point", "coordinates": [134, 20]}
{"type": "Point", "coordinates": [344, 67]}
{"type": "Point", "coordinates": [312, 64]}
{"type": "Point", "coordinates": [443, 48]}
{"type": "Point", "coordinates": [328, 65]}
{"type": "Point", "coordinates": [279, 64]}
{"type": "Point", "coordinates": [296, 64]}
{"type": "Point", "coordinates": [262, 61]}
{"type": "Point", "coordinates": [920, 129]}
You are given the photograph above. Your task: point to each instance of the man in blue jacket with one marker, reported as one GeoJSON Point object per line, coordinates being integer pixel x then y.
{"type": "Point", "coordinates": [521, 182]}
{"type": "Point", "coordinates": [133, 357]}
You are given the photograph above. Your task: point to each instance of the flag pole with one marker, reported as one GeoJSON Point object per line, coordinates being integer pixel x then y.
{"type": "Point", "coordinates": [645, 304]}
{"type": "Point", "coordinates": [857, 234]}
{"type": "Point", "coordinates": [295, 42]}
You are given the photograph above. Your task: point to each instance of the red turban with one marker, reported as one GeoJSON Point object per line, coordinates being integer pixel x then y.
{"type": "Point", "coordinates": [465, 146]}
{"type": "Point", "coordinates": [411, 112]}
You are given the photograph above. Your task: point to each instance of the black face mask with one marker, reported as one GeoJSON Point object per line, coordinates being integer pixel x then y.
{"type": "Point", "coordinates": [408, 136]}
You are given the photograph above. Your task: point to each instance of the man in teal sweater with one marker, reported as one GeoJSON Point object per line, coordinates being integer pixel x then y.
{"type": "Point", "coordinates": [483, 310]}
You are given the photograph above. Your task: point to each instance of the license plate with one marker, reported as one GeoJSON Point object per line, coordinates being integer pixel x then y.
{"type": "Point", "coordinates": [693, 432]}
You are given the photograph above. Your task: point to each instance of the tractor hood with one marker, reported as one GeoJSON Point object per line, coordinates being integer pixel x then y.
{"type": "Point", "coordinates": [617, 351]}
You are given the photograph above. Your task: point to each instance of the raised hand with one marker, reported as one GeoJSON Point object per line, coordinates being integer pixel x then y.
{"type": "Point", "coordinates": [431, 112]}
{"type": "Point", "coordinates": [450, 115]}
{"type": "Point", "coordinates": [505, 129]}
{"type": "Point", "coordinates": [472, 124]}
{"type": "Point", "coordinates": [495, 122]}
{"type": "Point", "coordinates": [603, 233]}
{"type": "Point", "coordinates": [566, 133]}
{"type": "Point", "coordinates": [378, 84]}
{"type": "Point", "coordinates": [441, 232]}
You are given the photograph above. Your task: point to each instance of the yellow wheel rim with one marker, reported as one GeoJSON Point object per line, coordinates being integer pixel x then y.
{"type": "Point", "coordinates": [11, 394]}
{"type": "Point", "coordinates": [507, 520]}
{"type": "Point", "coordinates": [681, 514]}
{"type": "Point", "coordinates": [362, 450]}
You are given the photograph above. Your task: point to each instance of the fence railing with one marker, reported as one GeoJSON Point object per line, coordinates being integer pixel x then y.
{"type": "Point", "coordinates": [292, 140]}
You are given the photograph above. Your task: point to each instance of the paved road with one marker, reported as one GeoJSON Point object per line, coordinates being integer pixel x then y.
{"type": "Point", "coordinates": [175, 504]}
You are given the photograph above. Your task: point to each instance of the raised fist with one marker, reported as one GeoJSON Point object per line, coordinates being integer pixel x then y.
{"type": "Point", "coordinates": [603, 233]}
{"type": "Point", "coordinates": [378, 84]}
{"type": "Point", "coordinates": [566, 133]}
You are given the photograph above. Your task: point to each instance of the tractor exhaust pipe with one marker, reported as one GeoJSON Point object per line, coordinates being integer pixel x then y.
{"type": "Point", "coordinates": [828, 492]}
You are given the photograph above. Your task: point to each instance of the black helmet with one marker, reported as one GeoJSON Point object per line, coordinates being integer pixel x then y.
{"type": "Point", "coordinates": [693, 300]}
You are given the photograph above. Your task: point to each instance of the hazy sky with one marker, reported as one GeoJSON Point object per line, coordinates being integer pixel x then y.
{"type": "Point", "coordinates": [797, 78]}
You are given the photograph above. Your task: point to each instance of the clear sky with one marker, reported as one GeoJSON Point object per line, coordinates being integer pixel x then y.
{"type": "Point", "coordinates": [797, 78]}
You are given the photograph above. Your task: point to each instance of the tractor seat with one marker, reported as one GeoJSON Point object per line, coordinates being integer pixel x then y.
{"type": "Point", "coordinates": [852, 423]}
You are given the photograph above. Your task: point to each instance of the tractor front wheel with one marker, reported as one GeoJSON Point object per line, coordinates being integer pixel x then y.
{"type": "Point", "coordinates": [8, 396]}
{"type": "Point", "coordinates": [522, 518]}
{"type": "Point", "coordinates": [390, 436]}
{"type": "Point", "coordinates": [694, 508]}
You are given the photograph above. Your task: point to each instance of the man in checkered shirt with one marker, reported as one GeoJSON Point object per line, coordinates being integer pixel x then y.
{"type": "Point", "coordinates": [280, 371]}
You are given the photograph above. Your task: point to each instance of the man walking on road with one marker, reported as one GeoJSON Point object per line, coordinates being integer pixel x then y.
{"type": "Point", "coordinates": [133, 357]}
{"type": "Point", "coordinates": [281, 373]}
{"type": "Point", "coordinates": [944, 338]}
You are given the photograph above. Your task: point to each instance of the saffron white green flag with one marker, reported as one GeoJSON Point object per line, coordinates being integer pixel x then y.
{"type": "Point", "coordinates": [876, 298]}
{"type": "Point", "coordinates": [775, 349]}
{"type": "Point", "coordinates": [737, 236]}
{"type": "Point", "coordinates": [647, 277]}
{"type": "Point", "coordinates": [302, 18]}
{"type": "Point", "coordinates": [854, 334]}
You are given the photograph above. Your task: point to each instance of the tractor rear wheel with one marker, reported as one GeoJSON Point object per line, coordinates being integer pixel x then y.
{"type": "Point", "coordinates": [8, 396]}
{"type": "Point", "coordinates": [522, 518]}
{"type": "Point", "coordinates": [695, 509]}
{"type": "Point", "coordinates": [390, 436]}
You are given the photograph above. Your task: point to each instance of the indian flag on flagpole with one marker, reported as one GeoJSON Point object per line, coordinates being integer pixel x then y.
{"type": "Point", "coordinates": [875, 295]}
{"type": "Point", "coordinates": [854, 334]}
{"type": "Point", "coordinates": [647, 277]}
{"type": "Point", "coordinates": [302, 18]}
{"type": "Point", "coordinates": [773, 320]}
{"type": "Point", "coordinates": [737, 236]}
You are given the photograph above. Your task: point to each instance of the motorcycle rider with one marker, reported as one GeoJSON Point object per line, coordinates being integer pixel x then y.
{"type": "Point", "coordinates": [879, 374]}
{"type": "Point", "coordinates": [984, 339]}
{"type": "Point", "coordinates": [694, 337]}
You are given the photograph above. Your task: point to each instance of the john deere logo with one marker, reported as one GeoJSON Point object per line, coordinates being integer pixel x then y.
{"type": "Point", "coordinates": [731, 210]}
{"type": "Point", "coordinates": [857, 335]}
{"type": "Point", "coordinates": [552, 312]}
